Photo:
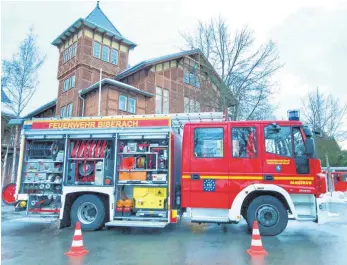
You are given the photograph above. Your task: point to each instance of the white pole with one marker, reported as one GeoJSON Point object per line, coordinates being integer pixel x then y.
{"type": "Point", "coordinates": [99, 92]}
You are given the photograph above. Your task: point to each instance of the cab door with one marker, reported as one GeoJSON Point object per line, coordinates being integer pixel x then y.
{"type": "Point", "coordinates": [285, 162]}
{"type": "Point", "coordinates": [209, 186]}
{"type": "Point", "coordinates": [245, 163]}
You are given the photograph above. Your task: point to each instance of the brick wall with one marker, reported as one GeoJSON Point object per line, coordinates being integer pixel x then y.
{"type": "Point", "coordinates": [110, 100]}
{"type": "Point", "coordinates": [86, 69]}
{"type": "Point", "coordinates": [172, 79]}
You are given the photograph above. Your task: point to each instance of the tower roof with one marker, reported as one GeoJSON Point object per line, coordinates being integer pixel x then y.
{"type": "Point", "coordinates": [98, 21]}
{"type": "Point", "coordinates": [99, 18]}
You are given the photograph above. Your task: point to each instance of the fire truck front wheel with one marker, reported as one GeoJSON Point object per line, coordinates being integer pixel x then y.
{"type": "Point", "coordinates": [270, 213]}
{"type": "Point", "coordinates": [89, 210]}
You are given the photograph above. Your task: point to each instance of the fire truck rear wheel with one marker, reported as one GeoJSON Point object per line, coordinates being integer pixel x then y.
{"type": "Point", "coordinates": [270, 213]}
{"type": "Point", "coordinates": [89, 210]}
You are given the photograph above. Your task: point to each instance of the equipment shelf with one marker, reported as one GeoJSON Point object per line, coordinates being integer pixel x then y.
{"type": "Point", "coordinates": [138, 153]}
{"type": "Point", "coordinates": [87, 159]}
{"type": "Point", "coordinates": [41, 161]}
{"type": "Point", "coordinates": [51, 172]}
{"type": "Point", "coordinates": [26, 182]}
{"type": "Point", "coordinates": [141, 183]}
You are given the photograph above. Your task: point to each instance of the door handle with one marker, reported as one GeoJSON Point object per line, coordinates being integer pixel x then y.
{"type": "Point", "coordinates": [268, 177]}
{"type": "Point", "coordinates": [195, 176]}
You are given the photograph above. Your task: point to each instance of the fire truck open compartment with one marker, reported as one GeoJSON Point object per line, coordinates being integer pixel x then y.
{"type": "Point", "coordinates": [142, 177]}
{"type": "Point", "coordinates": [42, 176]}
{"type": "Point", "coordinates": [90, 161]}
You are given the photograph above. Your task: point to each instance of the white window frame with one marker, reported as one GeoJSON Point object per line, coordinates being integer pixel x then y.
{"type": "Point", "coordinates": [63, 112]}
{"type": "Point", "coordinates": [133, 100]}
{"type": "Point", "coordinates": [72, 81]}
{"type": "Point", "coordinates": [166, 102]}
{"type": "Point", "coordinates": [105, 48]}
{"type": "Point", "coordinates": [114, 51]}
{"type": "Point", "coordinates": [69, 110]}
{"type": "Point", "coordinates": [158, 94]}
{"type": "Point", "coordinates": [66, 84]}
{"type": "Point", "coordinates": [74, 49]}
{"type": "Point", "coordinates": [94, 49]}
{"type": "Point", "coordinates": [125, 102]}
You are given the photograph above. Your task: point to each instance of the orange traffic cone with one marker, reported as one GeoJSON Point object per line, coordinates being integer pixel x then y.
{"type": "Point", "coordinates": [256, 248]}
{"type": "Point", "coordinates": [77, 248]}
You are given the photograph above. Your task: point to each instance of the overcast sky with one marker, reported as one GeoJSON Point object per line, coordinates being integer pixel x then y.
{"type": "Point", "coordinates": [311, 36]}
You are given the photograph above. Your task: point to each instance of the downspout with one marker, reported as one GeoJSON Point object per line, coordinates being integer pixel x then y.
{"type": "Point", "coordinates": [79, 94]}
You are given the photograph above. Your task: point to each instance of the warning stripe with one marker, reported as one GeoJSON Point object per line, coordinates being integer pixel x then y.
{"type": "Point", "coordinates": [249, 177]}
{"type": "Point", "coordinates": [256, 243]}
{"type": "Point", "coordinates": [77, 243]}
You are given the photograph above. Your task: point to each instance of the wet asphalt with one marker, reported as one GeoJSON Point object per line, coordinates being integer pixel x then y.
{"type": "Point", "coordinates": [301, 243]}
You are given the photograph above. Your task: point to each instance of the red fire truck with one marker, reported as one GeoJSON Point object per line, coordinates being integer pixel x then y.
{"type": "Point", "coordinates": [340, 181]}
{"type": "Point", "coordinates": [339, 178]}
{"type": "Point", "coordinates": [146, 171]}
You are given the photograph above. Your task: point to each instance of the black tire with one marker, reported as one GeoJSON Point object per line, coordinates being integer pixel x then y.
{"type": "Point", "coordinates": [93, 200]}
{"type": "Point", "coordinates": [267, 201]}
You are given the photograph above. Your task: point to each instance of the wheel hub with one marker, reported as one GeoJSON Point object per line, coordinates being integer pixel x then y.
{"type": "Point", "coordinates": [87, 213]}
{"type": "Point", "coordinates": [267, 215]}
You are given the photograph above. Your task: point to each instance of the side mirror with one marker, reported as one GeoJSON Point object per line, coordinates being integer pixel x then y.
{"type": "Point", "coordinates": [309, 146]}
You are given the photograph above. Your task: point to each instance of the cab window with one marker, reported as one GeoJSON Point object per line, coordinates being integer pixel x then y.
{"type": "Point", "coordinates": [344, 177]}
{"type": "Point", "coordinates": [278, 140]}
{"type": "Point", "coordinates": [299, 146]}
{"type": "Point", "coordinates": [244, 142]}
{"type": "Point", "coordinates": [208, 142]}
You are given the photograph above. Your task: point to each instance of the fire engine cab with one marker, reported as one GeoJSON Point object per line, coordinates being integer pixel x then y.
{"type": "Point", "coordinates": [146, 171]}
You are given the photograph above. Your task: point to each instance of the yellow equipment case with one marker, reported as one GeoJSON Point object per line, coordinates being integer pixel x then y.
{"type": "Point", "coordinates": [150, 198]}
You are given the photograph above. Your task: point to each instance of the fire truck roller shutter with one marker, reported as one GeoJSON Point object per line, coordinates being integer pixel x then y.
{"type": "Point", "coordinates": [88, 209]}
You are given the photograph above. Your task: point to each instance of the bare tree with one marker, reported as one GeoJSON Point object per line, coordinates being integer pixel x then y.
{"type": "Point", "coordinates": [246, 72]}
{"type": "Point", "coordinates": [21, 81]}
{"type": "Point", "coordinates": [326, 114]}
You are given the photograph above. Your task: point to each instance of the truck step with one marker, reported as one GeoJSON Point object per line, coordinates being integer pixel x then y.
{"type": "Point", "coordinates": [124, 223]}
{"type": "Point", "coordinates": [205, 219]}
{"type": "Point", "coordinates": [302, 217]}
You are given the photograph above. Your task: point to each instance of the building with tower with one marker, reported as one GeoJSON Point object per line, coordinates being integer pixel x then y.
{"type": "Point", "coordinates": [93, 49]}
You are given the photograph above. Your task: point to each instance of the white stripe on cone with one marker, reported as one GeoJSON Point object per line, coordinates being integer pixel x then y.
{"type": "Point", "coordinates": [256, 232]}
{"type": "Point", "coordinates": [78, 232]}
{"type": "Point", "coordinates": [77, 243]}
{"type": "Point", "coordinates": [256, 242]}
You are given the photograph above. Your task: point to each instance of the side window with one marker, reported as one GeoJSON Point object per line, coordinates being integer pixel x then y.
{"type": "Point", "coordinates": [97, 50]}
{"type": "Point", "coordinates": [208, 142]}
{"type": "Point", "coordinates": [114, 56]}
{"type": "Point", "coordinates": [63, 112]}
{"type": "Point", "coordinates": [123, 103]}
{"type": "Point", "coordinates": [105, 53]}
{"type": "Point", "coordinates": [344, 177]}
{"type": "Point", "coordinates": [244, 142]}
{"type": "Point", "coordinates": [299, 146]}
{"type": "Point", "coordinates": [278, 140]}
{"type": "Point", "coordinates": [132, 105]}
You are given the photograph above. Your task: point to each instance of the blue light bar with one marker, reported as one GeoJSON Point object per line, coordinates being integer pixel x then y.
{"type": "Point", "coordinates": [293, 115]}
